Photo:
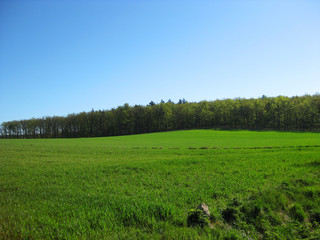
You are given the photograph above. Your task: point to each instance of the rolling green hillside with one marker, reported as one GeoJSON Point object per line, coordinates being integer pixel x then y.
{"type": "Point", "coordinates": [256, 184]}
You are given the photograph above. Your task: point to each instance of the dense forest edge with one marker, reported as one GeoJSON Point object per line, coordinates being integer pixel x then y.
{"type": "Point", "coordinates": [299, 113]}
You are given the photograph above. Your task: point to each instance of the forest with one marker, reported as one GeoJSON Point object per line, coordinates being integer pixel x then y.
{"type": "Point", "coordinates": [300, 113]}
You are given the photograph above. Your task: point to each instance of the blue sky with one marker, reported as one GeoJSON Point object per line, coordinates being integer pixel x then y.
{"type": "Point", "coordinates": [60, 57]}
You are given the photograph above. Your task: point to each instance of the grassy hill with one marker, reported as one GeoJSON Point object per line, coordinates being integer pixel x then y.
{"type": "Point", "coordinates": [256, 184]}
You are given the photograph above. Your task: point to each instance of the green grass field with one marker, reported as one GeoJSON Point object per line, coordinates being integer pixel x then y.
{"type": "Point", "coordinates": [258, 185]}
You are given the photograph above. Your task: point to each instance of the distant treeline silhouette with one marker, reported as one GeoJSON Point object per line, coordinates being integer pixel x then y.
{"type": "Point", "coordinates": [272, 113]}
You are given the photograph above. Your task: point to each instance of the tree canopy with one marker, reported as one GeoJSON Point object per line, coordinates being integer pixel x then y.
{"type": "Point", "coordinates": [274, 113]}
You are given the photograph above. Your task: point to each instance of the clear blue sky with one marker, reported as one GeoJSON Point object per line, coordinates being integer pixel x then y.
{"type": "Point", "coordinates": [59, 57]}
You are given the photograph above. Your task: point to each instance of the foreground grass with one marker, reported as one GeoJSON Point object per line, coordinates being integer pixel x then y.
{"type": "Point", "coordinates": [256, 184]}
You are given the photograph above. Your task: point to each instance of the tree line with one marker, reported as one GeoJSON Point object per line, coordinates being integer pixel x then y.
{"type": "Point", "coordinates": [274, 113]}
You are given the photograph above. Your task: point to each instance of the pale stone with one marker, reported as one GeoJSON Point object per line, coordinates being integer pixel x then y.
{"type": "Point", "coordinates": [204, 207]}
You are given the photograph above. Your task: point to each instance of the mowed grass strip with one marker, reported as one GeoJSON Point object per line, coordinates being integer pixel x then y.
{"type": "Point", "coordinates": [143, 186]}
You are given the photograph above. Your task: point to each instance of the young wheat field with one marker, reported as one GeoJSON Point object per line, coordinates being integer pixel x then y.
{"type": "Point", "coordinates": [258, 185]}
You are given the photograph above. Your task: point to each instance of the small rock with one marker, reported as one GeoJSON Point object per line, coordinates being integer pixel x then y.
{"type": "Point", "coordinates": [199, 216]}
{"type": "Point", "coordinates": [204, 207]}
